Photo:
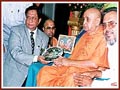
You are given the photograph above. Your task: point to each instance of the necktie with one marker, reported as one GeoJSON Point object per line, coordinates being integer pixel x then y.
{"type": "Point", "coordinates": [32, 41]}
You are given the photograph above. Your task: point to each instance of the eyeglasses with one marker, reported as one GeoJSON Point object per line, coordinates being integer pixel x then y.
{"type": "Point", "coordinates": [110, 24]}
{"type": "Point", "coordinates": [50, 28]}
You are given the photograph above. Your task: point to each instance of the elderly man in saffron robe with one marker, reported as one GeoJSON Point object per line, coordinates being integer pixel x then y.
{"type": "Point", "coordinates": [89, 54]}
{"type": "Point", "coordinates": [109, 77]}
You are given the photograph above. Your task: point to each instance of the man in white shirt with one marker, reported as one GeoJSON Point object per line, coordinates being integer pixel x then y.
{"type": "Point", "coordinates": [110, 27]}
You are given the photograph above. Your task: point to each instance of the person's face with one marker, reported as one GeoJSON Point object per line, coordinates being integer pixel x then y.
{"type": "Point", "coordinates": [49, 28]}
{"type": "Point", "coordinates": [32, 19]}
{"type": "Point", "coordinates": [110, 27]}
{"type": "Point", "coordinates": [90, 21]}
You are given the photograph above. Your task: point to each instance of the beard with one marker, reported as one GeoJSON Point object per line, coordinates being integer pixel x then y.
{"type": "Point", "coordinates": [111, 42]}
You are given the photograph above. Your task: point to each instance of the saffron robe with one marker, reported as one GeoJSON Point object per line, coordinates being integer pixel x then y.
{"type": "Point", "coordinates": [91, 46]}
{"type": "Point", "coordinates": [54, 41]}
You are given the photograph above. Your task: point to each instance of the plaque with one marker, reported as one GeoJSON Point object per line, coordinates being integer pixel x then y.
{"type": "Point", "coordinates": [52, 53]}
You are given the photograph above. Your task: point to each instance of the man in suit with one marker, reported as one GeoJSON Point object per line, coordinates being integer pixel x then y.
{"type": "Point", "coordinates": [24, 49]}
{"type": "Point", "coordinates": [49, 30]}
{"type": "Point", "coordinates": [13, 15]}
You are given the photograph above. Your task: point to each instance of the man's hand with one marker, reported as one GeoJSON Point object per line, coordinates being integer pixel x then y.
{"type": "Point", "coordinates": [58, 61]}
{"type": "Point", "coordinates": [82, 80]}
{"type": "Point", "coordinates": [114, 84]}
{"type": "Point", "coordinates": [42, 60]}
{"type": "Point", "coordinates": [93, 74]}
{"type": "Point", "coordinates": [61, 61]}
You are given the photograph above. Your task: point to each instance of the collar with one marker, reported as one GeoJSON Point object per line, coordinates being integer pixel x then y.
{"type": "Point", "coordinates": [33, 31]}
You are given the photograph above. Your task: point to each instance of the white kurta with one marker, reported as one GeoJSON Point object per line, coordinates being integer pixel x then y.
{"type": "Point", "coordinates": [112, 73]}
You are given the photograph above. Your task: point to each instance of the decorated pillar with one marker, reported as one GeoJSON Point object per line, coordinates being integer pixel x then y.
{"type": "Point", "coordinates": [75, 22]}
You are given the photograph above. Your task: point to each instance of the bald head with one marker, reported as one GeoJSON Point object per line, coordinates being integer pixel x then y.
{"type": "Point", "coordinates": [93, 12]}
{"type": "Point", "coordinates": [92, 19]}
{"type": "Point", "coordinates": [49, 21]}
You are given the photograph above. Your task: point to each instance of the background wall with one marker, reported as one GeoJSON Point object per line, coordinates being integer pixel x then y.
{"type": "Point", "coordinates": [60, 14]}
{"type": "Point", "coordinates": [49, 10]}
